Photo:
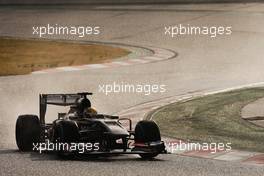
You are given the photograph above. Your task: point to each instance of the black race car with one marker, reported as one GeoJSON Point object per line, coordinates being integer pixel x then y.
{"type": "Point", "coordinates": [83, 128]}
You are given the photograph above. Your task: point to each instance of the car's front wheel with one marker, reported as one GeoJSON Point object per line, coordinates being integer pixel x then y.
{"type": "Point", "coordinates": [66, 132]}
{"type": "Point", "coordinates": [146, 132]}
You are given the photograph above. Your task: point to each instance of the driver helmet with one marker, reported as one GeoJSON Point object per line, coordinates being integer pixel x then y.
{"type": "Point", "coordinates": [90, 110]}
{"type": "Point", "coordinates": [82, 104]}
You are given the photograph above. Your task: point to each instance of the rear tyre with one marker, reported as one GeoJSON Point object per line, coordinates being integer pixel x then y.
{"type": "Point", "coordinates": [27, 132]}
{"type": "Point", "coordinates": [147, 131]}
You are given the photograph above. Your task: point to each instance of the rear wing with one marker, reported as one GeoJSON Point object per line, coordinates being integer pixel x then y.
{"type": "Point", "coordinates": [59, 100]}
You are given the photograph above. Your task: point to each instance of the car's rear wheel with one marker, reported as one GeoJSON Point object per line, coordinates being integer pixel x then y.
{"type": "Point", "coordinates": [147, 131]}
{"type": "Point", "coordinates": [27, 132]}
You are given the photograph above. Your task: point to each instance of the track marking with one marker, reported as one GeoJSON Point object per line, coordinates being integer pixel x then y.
{"type": "Point", "coordinates": [67, 68]}
{"type": "Point", "coordinates": [95, 66]}
{"type": "Point", "coordinates": [159, 54]}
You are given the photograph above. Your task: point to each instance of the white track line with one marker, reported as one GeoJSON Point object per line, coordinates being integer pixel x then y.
{"type": "Point", "coordinates": [67, 69]}
{"type": "Point", "coordinates": [152, 58]}
{"type": "Point", "coordinates": [121, 63]}
{"type": "Point", "coordinates": [139, 60]}
{"type": "Point", "coordinates": [95, 66]}
{"type": "Point", "coordinates": [158, 55]}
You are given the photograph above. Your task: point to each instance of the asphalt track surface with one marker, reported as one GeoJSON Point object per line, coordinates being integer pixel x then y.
{"type": "Point", "coordinates": [203, 64]}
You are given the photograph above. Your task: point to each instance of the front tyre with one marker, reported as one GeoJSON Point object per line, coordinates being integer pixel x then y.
{"type": "Point", "coordinates": [146, 132]}
{"type": "Point", "coordinates": [148, 155]}
{"type": "Point", "coordinates": [66, 132]}
{"type": "Point", "coordinates": [27, 132]}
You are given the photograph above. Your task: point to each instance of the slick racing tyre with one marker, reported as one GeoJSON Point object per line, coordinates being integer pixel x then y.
{"type": "Point", "coordinates": [147, 131]}
{"type": "Point", "coordinates": [66, 133]}
{"type": "Point", "coordinates": [27, 132]}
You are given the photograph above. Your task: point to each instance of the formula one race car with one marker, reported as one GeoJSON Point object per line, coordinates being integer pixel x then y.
{"type": "Point", "coordinates": [83, 130]}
